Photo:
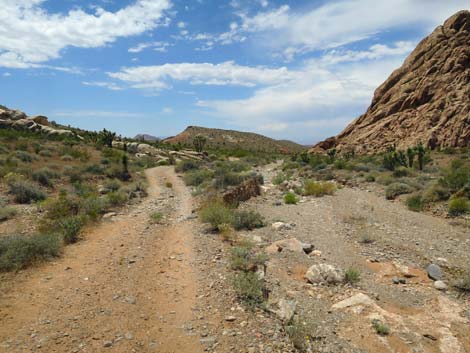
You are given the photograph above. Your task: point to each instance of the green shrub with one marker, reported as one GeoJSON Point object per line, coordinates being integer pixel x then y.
{"type": "Point", "coordinates": [137, 189]}
{"type": "Point", "coordinates": [381, 328]}
{"type": "Point", "coordinates": [360, 168]}
{"type": "Point", "coordinates": [396, 189]}
{"type": "Point", "coordinates": [415, 203]}
{"type": "Point", "coordinates": [459, 206]}
{"type": "Point", "coordinates": [20, 251]}
{"type": "Point", "coordinates": [169, 185]}
{"type": "Point", "coordinates": [247, 220]}
{"type": "Point", "coordinates": [66, 158]}
{"type": "Point", "coordinates": [352, 276]}
{"type": "Point", "coordinates": [7, 213]}
{"type": "Point", "coordinates": [112, 185]}
{"type": "Point", "coordinates": [436, 192]}
{"type": "Point", "coordinates": [25, 192]}
{"type": "Point", "coordinates": [93, 207]}
{"type": "Point", "coordinates": [24, 156]}
{"type": "Point", "coordinates": [70, 228]}
{"type": "Point", "coordinates": [249, 288]}
{"type": "Point", "coordinates": [290, 198]}
{"type": "Point", "coordinates": [117, 198]}
{"type": "Point", "coordinates": [279, 178]}
{"type": "Point", "coordinates": [370, 178]}
{"type": "Point", "coordinates": [340, 164]}
{"type": "Point", "coordinates": [224, 180]}
{"type": "Point", "coordinates": [313, 188]}
{"type": "Point", "coordinates": [45, 153]}
{"type": "Point", "coordinates": [216, 214]}
{"type": "Point", "coordinates": [184, 166]}
{"type": "Point", "coordinates": [300, 334]}
{"type": "Point", "coordinates": [197, 177]}
{"type": "Point", "coordinates": [402, 172]}
{"type": "Point", "coordinates": [94, 169]}
{"type": "Point", "coordinates": [457, 176]}
{"type": "Point", "coordinates": [43, 176]}
{"type": "Point", "coordinates": [463, 283]}
{"type": "Point", "coordinates": [156, 217]}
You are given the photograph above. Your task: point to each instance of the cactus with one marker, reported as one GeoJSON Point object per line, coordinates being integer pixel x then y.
{"type": "Point", "coordinates": [411, 153]}
{"type": "Point", "coordinates": [332, 154]}
{"type": "Point", "coordinates": [421, 151]}
{"type": "Point", "coordinates": [199, 142]}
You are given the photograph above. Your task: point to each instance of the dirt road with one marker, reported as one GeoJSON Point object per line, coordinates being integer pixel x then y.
{"type": "Point", "coordinates": [128, 287]}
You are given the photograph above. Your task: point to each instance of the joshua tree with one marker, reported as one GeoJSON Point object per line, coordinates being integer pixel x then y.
{"type": "Point", "coordinates": [332, 154]}
{"type": "Point", "coordinates": [304, 157]}
{"type": "Point", "coordinates": [106, 137]}
{"type": "Point", "coordinates": [421, 151]}
{"type": "Point", "coordinates": [125, 175]}
{"type": "Point", "coordinates": [199, 142]}
{"type": "Point", "coordinates": [411, 153]}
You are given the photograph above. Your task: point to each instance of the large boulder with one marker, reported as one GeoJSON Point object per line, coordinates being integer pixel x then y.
{"type": "Point", "coordinates": [248, 189]}
{"type": "Point", "coordinates": [291, 244]}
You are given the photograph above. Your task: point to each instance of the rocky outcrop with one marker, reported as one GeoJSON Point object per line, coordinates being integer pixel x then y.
{"type": "Point", "coordinates": [248, 189]}
{"type": "Point", "coordinates": [427, 99]}
{"type": "Point", "coordinates": [18, 120]}
{"type": "Point", "coordinates": [143, 149]}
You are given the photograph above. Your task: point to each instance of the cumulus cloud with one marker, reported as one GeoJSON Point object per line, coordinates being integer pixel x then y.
{"type": "Point", "coordinates": [223, 74]}
{"type": "Point", "coordinates": [29, 35]}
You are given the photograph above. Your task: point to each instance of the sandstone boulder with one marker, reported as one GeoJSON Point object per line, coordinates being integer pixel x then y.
{"type": "Point", "coordinates": [323, 273]}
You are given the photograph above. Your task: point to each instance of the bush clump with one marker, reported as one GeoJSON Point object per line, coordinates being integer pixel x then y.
{"type": "Point", "coordinates": [25, 192]}
{"type": "Point", "coordinates": [459, 206]}
{"type": "Point", "coordinates": [7, 212]}
{"type": "Point", "coordinates": [352, 276]}
{"type": "Point", "coordinates": [415, 203]}
{"type": "Point", "coordinates": [249, 288]}
{"type": "Point", "coordinates": [290, 198]}
{"type": "Point", "coordinates": [20, 251]}
{"type": "Point", "coordinates": [247, 220]}
{"type": "Point", "coordinates": [216, 214]}
{"type": "Point", "coordinates": [44, 176]}
{"type": "Point", "coordinates": [396, 189]}
{"type": "Point", "coordinates": [197, 177]}
{"type": "Point", "coordinates": [24, 156]}
{"type": "Point", "coordinates": [185, 166]}
{"type": "Point", "coordinates": [70, 228]}
{"type": "Point", "coordinates": [314, 188]}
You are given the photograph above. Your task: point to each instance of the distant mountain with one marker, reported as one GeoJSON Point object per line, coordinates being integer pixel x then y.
{"type": "Point", "coordinates": [427, 99]}
{"type": "Point", "coordinates": [146, 137]}
{"type": "Point", "coordinates": [232, 140]}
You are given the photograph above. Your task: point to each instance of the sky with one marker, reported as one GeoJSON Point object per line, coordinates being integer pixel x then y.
{"type": "Point", "coordinates": [299, 70]}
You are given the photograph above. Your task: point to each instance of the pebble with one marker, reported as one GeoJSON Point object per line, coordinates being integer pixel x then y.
{"type": "Point", "coordinates": [440, 285]}
{"type": "Point", "coordinates": [107, 344]}
{"type": "Point", "coordinates": [434, 272]}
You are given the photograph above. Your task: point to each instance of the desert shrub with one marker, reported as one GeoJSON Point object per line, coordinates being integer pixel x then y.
{"type": "Point", "coordinates": [156, 217]}
{"type": "Point", "coordinates": [290, 165]}
{"type": "Point", "coordinates": [163, 162]}
{"type": "Point", "coordinates": [7, 213]}
{"type": "Point", "coordinates": [184, 166]}
{"type": "Point", "coordinates": [290, 198]}
{"type": "Point", "coordinates": [459, 206]}
{"type": "Point", "coordinates": [249, 288]}
{"type": "Point", "coordinates": [70, 228]}
{"type": "Point", "coordinates": [300, 334]}
{"type": "Point", "coordinates": [313, 188]}
{"type": "Point", "coordinates": [44, 176]}
{"type": "Point", "coordinates": [370, 178]}
{"type": "Point", "coordinates": [93, 207]}
{"type": "Point", "coordinates": [463, 283]}
{"type": "Point", "coordinates": [197, 177]}
{"type": "Point", "coordinates": [116, 198]}
{"type": "Point", "coordinates": [24, 156]}
{"type": "Point", "coordinates": [279, 178]}
{"type": "Point", "coordinates": [25, 192]}
{"type": "Point", "coordinates": [247, 220]}
{"type": "Point", "coordinates": [4, 150]}
{"type": "Point", "coordinates": [20, 251]}
{"type": "Point", "coordinates": [340, 164]}
{"type": "Point", "coordinates": [66, 158]}
{"type": "Point", "coordinates": [136, 189]}
{"type": "Point", "coordinates": [435, 192]}
{"type": "Point", "coordinates": [385, 179]}
{"type": "Point", "coordinates": [380, 327]}
{"type": "Point", "coordinates": [45, 153]}
{"type": "Point", "coordinates": [396, 189]}
{"type": "Point", "coordinates": [216, 214]}
{"type": "Point", "coordinates": [352, 276]}
{"type": "Point", "coordinates": [112, 185]}
{"type": "Point", "coordinates": [62, 207]}
{"type": "Point", "coordinates": [415, 203]}
{"type": "Point", "coordinates": [226, 233]}
{"type": "Point", "coordinates": [94, 169]}
{"type": "Point", "coordinates": [366, 238]}
{"type": "Point", "coordinates": [76, 153]}
{"type": "Point", "coordinates": [169, 184]}
{"type": "Point", "coordinates": [402, 172]}
{"type": "Point", "coordinates": [457, 176]}
{"type": "Point", "coordinates": [226, 179]}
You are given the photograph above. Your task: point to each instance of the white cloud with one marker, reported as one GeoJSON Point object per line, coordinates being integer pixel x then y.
{"type": "Point", "coordinates": [293, 31]}
{"type": "Point", "coordinates": [156, 46]}
{"type": "Point", "coordinates": [224, 74]}
{"type": "Point", "coordinates": [110, 85]}
{"type": "Point", "coordinates": [167, 110]}
{"type": "Point", "coordinates": [29, 35]}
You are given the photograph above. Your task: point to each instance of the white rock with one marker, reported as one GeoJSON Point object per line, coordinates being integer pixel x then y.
{"type": "Point", "coordinates": [440, 285]}
{"type": "Point", "coordinates": [281, 226]}
{"type": "Point", "coordinates": [324, 273]}
{"type": "Point", "coordinates": [286, 310]}
{"type": "Point", "coordinates": [355, 300]}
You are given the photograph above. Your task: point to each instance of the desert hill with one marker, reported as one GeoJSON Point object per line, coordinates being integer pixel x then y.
{"type": "Point", "coordinates": [427, 99]}
{"type": "Point", "coordinates": [231, 140]}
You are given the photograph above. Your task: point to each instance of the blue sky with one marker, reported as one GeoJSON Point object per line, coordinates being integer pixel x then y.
{"type": "Point", "coordinates": [300, 70]}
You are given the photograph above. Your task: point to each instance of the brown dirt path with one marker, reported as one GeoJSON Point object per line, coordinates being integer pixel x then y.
{"type": "Point", "coordinates": [129, 287]}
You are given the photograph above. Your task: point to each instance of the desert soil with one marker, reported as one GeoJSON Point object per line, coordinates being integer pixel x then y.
{"type": "Point", "coordinates": [135, 286]}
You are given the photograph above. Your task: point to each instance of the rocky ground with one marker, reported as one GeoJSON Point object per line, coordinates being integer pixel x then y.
{"type": "Point", "coordinates": [134, 285]}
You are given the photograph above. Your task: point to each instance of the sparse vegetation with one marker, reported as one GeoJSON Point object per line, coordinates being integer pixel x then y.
{"type": "Point", "coordinates": [20, 251]}
{"type": "Point", "coordinates": [156, 217]}
{"type": "Point", "coordinates": [7, 212]}
{"type": "Point", "coordinates": [352, 276]}
{"type": "Point", "coordinates": [463, 283]}
{"type": "Point", "coordinates": [380, 327]}
{"type": "Point", "coordinates": [300, 334]}
{"type": "Point", "coordinates": [216, 214]}
{"type": "Point", "coordinates": [247, 220]}
{"type": "Point", "coordinates": [168, 184]}
{"type": "Point", "coordinates": [459, 206]}
{"type": "Point", "coordinates": [249, 288]}
{"type": "Point", "coordinates": [415, 203]}
{"type": "Point", "coordinates": [318, 189]}
{"type": "Point", "coordinates": [25, 192]}
{"type": "Point", "coordinates": [396, 189]}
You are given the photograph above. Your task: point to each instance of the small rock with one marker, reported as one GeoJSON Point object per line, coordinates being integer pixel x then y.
{"type": "Point", "coordinates": [434, 272]}
{"type": "Point", "coordinates": [324, 273]}
{"type": "Point", "coordinates": [286, 310]}
{"type": "Point", "coordinates": [440, 285]}
{"type": "Point", "coordinates": [230, 318]}
{"type": "Point", "coordinates": [109, 215]}
{"type": "Point", "coordinates": [107, 344]}
{"type": "Point", "coordinates": [281, 226]}
{"type": "Point", "coordinates": [358, 299]}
